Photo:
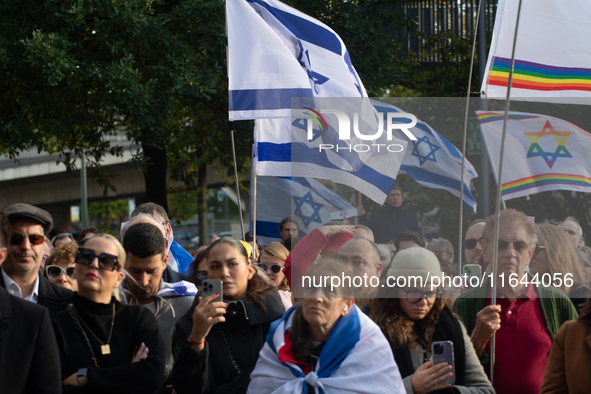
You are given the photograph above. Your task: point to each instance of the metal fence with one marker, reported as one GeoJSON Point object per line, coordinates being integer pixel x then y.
{"type": "Point", "coordinates": [434, 17]}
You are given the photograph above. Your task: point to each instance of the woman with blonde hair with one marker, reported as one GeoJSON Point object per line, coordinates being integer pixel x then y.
{"type": "Point", "coordinates": [555, 256]}
{"type": "Point", "coordinates": [106, 346]}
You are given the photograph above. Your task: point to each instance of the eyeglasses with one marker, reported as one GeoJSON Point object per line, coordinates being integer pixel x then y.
{"type": "Point", "coordinates": [34, 239]}
{"type": "Point", "coordinates": [415, 296]}
{"type": "Point", "coordinates": [275, 268]}
{"type": "Point", "coordinates": [519, 246]}
{"type": "Point", "coordinates": [538, 248]}
{"type": "Point", "coordinates": [62, 236]}
{"type": "Point", "coordinates": [106, 261]}
{"type": "Point", "coordinates": [471, 243]}
{"type": "Point", "coordinates": [54, 272]}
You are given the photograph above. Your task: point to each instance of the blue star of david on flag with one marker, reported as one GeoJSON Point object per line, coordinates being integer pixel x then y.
{"type": "Point", "coordinates": [315, 78]}
{"type": "Point", "coordinates": [429, 156]}
{"type": "Point", "coordinates": [307, 199]}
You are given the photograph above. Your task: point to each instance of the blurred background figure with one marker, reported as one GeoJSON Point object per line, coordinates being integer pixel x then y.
{"type": "Point", "coordinates": [86, 233]}
{"type": "Point", "coordinates": [198, 268]}
{"type": "Point", "coordinates": [291, 242]}
{"type": "Point", "coordinates": [288, 229]}
{"type": "Point", "coordinates": [59, 267]}
{"type": "Point", "coordinates": [573, 229]}
{"type": "Point", "coordinates": [46, 252]}
{"type": "Point", "coordinates": [584, 254]}
{"type": "Point", "coordinates": [408, 239]}
{"type": "Point", "coordinates": [444, 251]}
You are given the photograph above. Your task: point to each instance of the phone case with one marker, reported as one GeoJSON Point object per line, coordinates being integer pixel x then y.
{"type": "Point", "coordinates": [472, 270]}
{"type": "Point", "coordinates": [212, 286]}
{"type": "Point", "coordinates": [447, 356]}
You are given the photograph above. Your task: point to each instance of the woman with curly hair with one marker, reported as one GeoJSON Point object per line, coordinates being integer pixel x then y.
{"type": "Point", "coordinates": [414, 316]}
{"type": "Point", "coordinates": [216, 344]}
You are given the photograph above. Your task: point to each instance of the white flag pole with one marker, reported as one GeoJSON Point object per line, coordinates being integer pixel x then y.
{"type": "Point", "coordinates": [464, 143]}
{"type": "Point", "coordinates": [493, 298]}
{"type": "Point", "coordinates": [231, 127]}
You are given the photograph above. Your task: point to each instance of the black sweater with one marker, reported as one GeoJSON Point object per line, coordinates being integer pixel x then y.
{"type": "Point", "coordinates": [211, 370]}
{"type": "Point", "coordinates": [134, 324]}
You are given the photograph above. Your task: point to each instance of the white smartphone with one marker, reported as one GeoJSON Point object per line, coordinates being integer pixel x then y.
{"type": "Point", "coordinates": [471, 270]}
{"type": "Point", "coordinates": [212, 286]}
{"type": "Point", "coordinates": [443, 352]}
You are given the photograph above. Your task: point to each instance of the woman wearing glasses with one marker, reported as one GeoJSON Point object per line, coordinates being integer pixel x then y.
{"type": "Point", "coordinates": [106, 346]}
{"type": "Point", "coordinates": [272, 260]}
{"type": "Point", "coordinates": [414, 315]}
{"type": "Point", "coordinates": [59, 266]}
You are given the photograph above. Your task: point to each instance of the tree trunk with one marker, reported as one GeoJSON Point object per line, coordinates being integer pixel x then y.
{"type": "Point", "coordinates": [202, 205]}
{"type": "Point", "coordinates": [155, 175]}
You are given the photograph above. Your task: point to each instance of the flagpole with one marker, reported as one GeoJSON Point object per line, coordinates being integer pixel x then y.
{"type": "Point", "coordinates": [493, 298]}
{"type": "Point", "coordinates": [464, 143]}
{"type": "Point", "coordinates": [231, 127]}
{"type": "Point", "coordinates": [254, 214]}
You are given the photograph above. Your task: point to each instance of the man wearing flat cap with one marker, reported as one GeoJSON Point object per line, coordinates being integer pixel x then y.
{"type": "Point", "coordinates": [20, 272]}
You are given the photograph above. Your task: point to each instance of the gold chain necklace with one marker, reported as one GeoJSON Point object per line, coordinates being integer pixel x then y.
{"type": "Point", "coordinates": [105, 348]}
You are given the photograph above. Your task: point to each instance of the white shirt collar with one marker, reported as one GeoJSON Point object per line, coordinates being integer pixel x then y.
{"type": "Point", "coordinates": [15, 289]}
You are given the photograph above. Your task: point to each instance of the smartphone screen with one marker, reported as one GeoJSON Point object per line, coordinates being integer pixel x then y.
{"type": "Point", "coordinates": [443, 352]}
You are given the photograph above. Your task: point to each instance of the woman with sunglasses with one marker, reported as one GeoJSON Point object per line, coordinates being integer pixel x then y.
{"type": "Point", "coordinates": [555, 257]}
{"type": "Point", "coordinates": [271, 260]}
{"type": "Point", "coordinates": [217, 343]}
{"type": "Point", "coordinates": [59, 266]}
{"type": "Point", "coordinates": [106, 346]}
{"type": "Point", "coordinates": [413, 315]}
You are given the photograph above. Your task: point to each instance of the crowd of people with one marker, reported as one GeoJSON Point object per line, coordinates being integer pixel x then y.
{"type": "Point", "coordinates": [100, 314]}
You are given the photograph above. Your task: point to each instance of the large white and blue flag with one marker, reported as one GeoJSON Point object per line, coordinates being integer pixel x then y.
{"type": "Point", "coordinates": [275, 53]}
{"type": "Point", "coordinates": [305, 200]}
{"type": "Point", "coordinates": [282, 149]}
{"type": "Point", "coordinates": [433, 161]}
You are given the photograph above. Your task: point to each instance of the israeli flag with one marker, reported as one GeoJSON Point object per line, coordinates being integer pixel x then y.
{"type": "Point", "coordinates": [433, 161]}
{"type": "Point", "coordinates": [282, 149]}
{"type": "Point", "coordinates": [305, 200]}
{"type": "Point", "coordinates": [276, 53]}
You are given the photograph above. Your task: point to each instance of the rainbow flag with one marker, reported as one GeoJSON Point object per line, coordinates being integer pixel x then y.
{"type": "Point", "coordinates": [542, 153]}
{"type": "Point", "coordinates": [552, 53]}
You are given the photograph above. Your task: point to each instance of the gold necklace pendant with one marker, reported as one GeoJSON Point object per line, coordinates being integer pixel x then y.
{"type": "Point", "coordinates": [105, 349]}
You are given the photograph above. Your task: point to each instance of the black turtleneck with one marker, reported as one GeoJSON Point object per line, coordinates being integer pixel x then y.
{"type": "Point", "coordinates": [134, 324]}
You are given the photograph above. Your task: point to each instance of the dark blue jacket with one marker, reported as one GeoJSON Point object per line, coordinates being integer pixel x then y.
{"type": "Point", "coordinates": [388, 221]}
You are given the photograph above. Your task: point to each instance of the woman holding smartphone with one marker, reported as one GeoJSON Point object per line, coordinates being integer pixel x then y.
{"type": "Point", "coordinates": [413, 317]}
{"type": "Point", "coordinates": [216, 344]}
{"type": "Point", "coordinates": [106, 346]}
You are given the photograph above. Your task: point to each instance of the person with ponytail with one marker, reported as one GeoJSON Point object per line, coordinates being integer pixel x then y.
{"type": "Point", "coordinates": [216, 344]}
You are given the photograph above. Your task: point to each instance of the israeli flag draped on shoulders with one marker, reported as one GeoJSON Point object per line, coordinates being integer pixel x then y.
{"type": "Point", "coordinates": [433, 161]}
{"type": "Point", "coordinates": [277, 53]}
{"type": "Point", "coordinates": [305, 200]}
{"type": "Point", "coordinates": [356, 358]}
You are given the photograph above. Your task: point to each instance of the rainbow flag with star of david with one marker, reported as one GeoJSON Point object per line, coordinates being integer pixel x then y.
{"type": "Point", "coordinates": [552, 52]}
{"type": "Point", "coordinates": [542, 153]}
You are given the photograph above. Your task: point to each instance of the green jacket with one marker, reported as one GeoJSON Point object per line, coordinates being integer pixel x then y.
{"type": "Point", "coordinates": [555, 306]}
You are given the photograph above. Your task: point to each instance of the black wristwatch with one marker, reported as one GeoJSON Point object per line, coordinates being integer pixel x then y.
{"type": "Point", "coordinates": [82, 380]}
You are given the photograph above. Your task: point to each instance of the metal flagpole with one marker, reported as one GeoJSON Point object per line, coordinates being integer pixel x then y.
{"type": "Point", "coordinates": [231, 127]}
{"type": "Point", "coordinates": [493, 298]}
{"type": "Point", "coordinates": [254, 218]}
{"type": "Point", "coordinates": [83, 192]}
{"type": "Point", "coordinates": [464, 143]}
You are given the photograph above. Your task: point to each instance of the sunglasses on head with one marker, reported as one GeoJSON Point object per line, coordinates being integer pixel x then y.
{"type": "Point", "coordinates": [106, 261]}
{"type": "Point", "coordinates": [471, 243]}
{"type": "Point", "coordinates": [275, 268]}
{"type": "Point", "coordinates": [54, 272]}
{"type": "Point", "coordinates": [34, 239]}
{"type": "Point", "coordinates": [519, 246]}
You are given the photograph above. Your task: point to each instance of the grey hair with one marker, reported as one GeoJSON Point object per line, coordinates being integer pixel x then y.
{"type": "Point", "coordinates": [574, 220]}
{"type": "Point", "coordinates": [442, 245]}
{"type": "Point", "coordinates": [134, 219]}
{"type": "Point", "coordinates": [385, 254]}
